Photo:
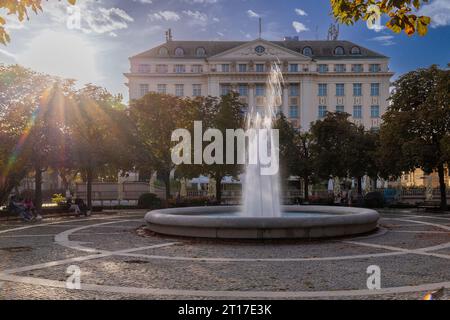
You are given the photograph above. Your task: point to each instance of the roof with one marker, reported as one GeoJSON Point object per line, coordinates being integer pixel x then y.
{"type": "Point", "coordinates": [322, 49]}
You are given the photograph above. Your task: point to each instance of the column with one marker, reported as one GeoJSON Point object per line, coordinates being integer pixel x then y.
{"type": "Point", "coordinates": [285, 107]}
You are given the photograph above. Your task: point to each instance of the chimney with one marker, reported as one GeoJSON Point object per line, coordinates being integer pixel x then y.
{"type": "Point", "coordinates": [169, 35]}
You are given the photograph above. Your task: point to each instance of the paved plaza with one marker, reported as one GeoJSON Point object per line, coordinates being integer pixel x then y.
{"type": "Point", "coordinates": [119, 259]}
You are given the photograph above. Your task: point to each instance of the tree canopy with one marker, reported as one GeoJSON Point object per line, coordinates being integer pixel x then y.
{"type": "Point", "coordinates": [20, 9]}
{"type": "Point", "coordinates": [401, 13]}
{"type": "Point", "coordinates": [416, 128]}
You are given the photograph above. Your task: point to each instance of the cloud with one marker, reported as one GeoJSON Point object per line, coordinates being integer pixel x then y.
{"type": "Point", "coordinates": [384, 40]}
{"type": "Point", "coordinates": [201, 1]}
{"type": "Point", "coordinates": [93, 18]}
{"type": "Point", "coordinates": [253, 14]}
{"type": "Point", "coordinates": [165, 15]}
{"type": "Point", "coordinates": [299, 27]}
{"type": "Point", "coordinates": [197, 17]}
{"type": "Point", "coordinates": [144, 1]}
{"type": "Point", "coordinates": [438, 11]}
{"type": "Point", "coordinates": [300, 12]}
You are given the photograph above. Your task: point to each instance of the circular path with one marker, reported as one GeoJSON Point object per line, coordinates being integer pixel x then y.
{"type": "Point", "coordinates": [118, 259]}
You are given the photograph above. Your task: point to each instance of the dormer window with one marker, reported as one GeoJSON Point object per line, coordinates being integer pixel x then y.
{"type": "Point", "coordinates": [179, 52]}
{"type": "Point", "coordinates": [356, 51]}
{"type": "Point", "coordinates": [163, 51]}
{"type": "Point", "coordinates": [200, 52]}
{"type": "Point", "coordinates": [339, 51]}
{"type": "Point", "coordinates": [307, 51]}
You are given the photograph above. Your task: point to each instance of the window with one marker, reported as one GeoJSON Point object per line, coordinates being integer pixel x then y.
{"type": "Point", "coordinates": [293, 112]}
{"type": "Point", "coordinates": [260, 67]}
{"type": "Point", "coordinates": [374, 68]}
{"type": "Point", "coordinates": [196, 90]}
{"type": "Point", "coordinates": [323, 92]}
{"type": "Point", "coordinates": [179, 90]}
{"type": "Point", "coordinates": [375, 112]}
{"type": "Point", "coordinates": [340, 90]}
{"type": "Point", "coordinates": [357, 89]}
{"type": "Point", "coordinates": [339, 68]}
{"type": "Point", "coordinates": [307, 51]}
{"type": "Point", "coordinates": [162, 68]}
{"type": "Point", "coordinates": [357, 112]}
{"type": "Point", "coordinates": [225, 68]}
{"type": "Point", "coordinates": [225, 89]}
{"type": "Point", "coordinates": [322, 68]}
{"type": "Point", "coordinates": [180, 68]}
{"type": "Point", "coordinates": [339, 51]}
{"type": "Point", "coordinates": [340, 109]}
{"type": "Point", "coordinates": [374, 89]}
{"type": "Point", "coordinates": [260, 50]}
{"type": "Point", "coordinates": [357, 68]}
{"type": "Point", "coordinates": [355, 50]}
{"type": "Point", "coordinates": [294, 90]}
{"type": "Point", "coordinates": [143, 89]}
{"type": "Point", "coordinates": [322, 111]}
{"type": "Point", "coordinates": [144, 68]}
{"type": "Point", "coordinates": [200, 52]}
{"type": "Point", "coordinates": [260, 90]}
{"type": "Point", "coordinates": [242, 68]}
{"type": "Point", "coordinates": [293, 68]}
{"type": "Point", "coordinates": [163, 51]}
{"type": "Point", "coordinates": [243, 90]}
{"type": "Point", "coordinates": [161, 88]}
{"type": "Point", "coordinates": [179, 52]}
{"type": "Point", "coordinates": [197, 68]}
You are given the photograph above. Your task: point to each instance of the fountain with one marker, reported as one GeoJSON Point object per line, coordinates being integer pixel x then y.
{"type": "Point", "coordinates": [262, 216]}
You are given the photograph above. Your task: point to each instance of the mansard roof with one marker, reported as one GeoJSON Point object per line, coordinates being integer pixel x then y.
{"type": "Point", "coordinates": [321, 49]}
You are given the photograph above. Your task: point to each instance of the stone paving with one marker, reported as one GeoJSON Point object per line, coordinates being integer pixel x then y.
{"type": "Point", "coordinates": [119, 259]}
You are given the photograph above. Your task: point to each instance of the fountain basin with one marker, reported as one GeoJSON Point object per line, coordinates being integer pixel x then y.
{"type": "Point", "coordinates": [297, 222]}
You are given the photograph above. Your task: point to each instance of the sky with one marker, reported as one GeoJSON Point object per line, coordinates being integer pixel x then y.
{"type": "Point", "coordinates": [97, 49]}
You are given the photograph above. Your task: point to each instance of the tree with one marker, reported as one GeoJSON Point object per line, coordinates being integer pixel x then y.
{"type": "Point", "coordinates": [343, 149]}
{"type": "Point", "coordinates": [332, 144]}
{"type": "Point", "coordinates": [19, 9]}
{"type": "Point", "coordinates": [97, 134]}
{"type": "Point", "coordinates": [220, 114]}
{"type": "Point", "coordinates": [30, 125]}
{"type": "Point", "coordinates": [296, 158]}
{"type": "Point", "coordinates": [400, 12]}
{"type": "Point", "coordinates": [155, 117]}
{"type": "Point", "coordinates": [416, 128]}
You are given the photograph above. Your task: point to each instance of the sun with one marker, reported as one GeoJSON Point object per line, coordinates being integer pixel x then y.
{"type": "Point", "coordinates": [65, 54]}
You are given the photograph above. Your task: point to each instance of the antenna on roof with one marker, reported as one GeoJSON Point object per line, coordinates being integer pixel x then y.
{"type": "Point", "coordinates": [260, 27]}
{"type": "Point", "coordinates": [333, 32]}
{"type": "Point", "coordinates": [169, 35]}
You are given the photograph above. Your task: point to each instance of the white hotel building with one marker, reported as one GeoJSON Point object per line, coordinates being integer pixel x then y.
{"type": "Point", "coordinates": [319, 76]}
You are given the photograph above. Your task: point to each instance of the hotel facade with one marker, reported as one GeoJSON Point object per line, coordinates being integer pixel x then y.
{"type": "Point", "coordinates": [319, 76]}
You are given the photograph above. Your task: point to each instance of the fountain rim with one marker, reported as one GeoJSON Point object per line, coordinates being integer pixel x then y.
{"type": "Point", "coordinates": [196, 222]}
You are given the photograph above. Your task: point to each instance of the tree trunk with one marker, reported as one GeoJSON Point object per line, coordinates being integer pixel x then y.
{"type": "Point", "coordinates": [359, 200]}
{"type": "Point", "coordinates": [167, 184]}
{"type": "Point", "coordinates": [219, 190]}
{"type": "Point", "coordinates": [38, 188]}
{"type": "Point", "coordinates": [442, 187]}
{"type": "Point", "coordinates": [306, 187]}
{"type": "Point", "coordinates": [89, 178]}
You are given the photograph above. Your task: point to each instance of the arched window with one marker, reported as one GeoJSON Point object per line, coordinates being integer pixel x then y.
{"type": "Point", "coordinates": [179, 52]}
{"type": "Point", "coordinates": [200, 52]}
{"type": "Point", "coordinates": [339, 51]}
{"type": "Point", "coordinates": [163, 51]}
{"type": "Point", "coordinates": [356, 50]}
{"type": "Point", "coordinates": [307, 51]}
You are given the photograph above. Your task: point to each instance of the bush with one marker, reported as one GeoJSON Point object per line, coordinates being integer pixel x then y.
{"type": "Point", "coordinates": [149, 201]}
{"type": "Point", "coordinates": [374, 200]}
